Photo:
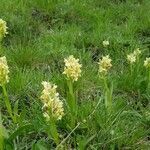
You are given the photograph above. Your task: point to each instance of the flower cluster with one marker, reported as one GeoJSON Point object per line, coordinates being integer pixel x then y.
{"type": "Point", "coordinates": [53, 106]}
{"type": "Point", "coordinates": [3, 29]}
{"type": "Point", "coordinates": [147, 63]}
{"type": "Point", "coordinates": [4, 70]}
{"type": "Point", "coordinates": [72, 68]}
{"type": "Point", "coordinates": [133, 56]}
{"type": "Point", "coordinates": [104, 64]}
{"type": "Point", "coordinates": [137, 52]}
{"type": "Point", "coordinates": [105, 43]}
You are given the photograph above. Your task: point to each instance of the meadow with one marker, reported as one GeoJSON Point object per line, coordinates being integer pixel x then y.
{"type": "Point", "coordinates": [75, 74]}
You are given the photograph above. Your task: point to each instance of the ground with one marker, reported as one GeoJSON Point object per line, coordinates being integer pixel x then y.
{"type": "Point", "coordinates": [44, 32]}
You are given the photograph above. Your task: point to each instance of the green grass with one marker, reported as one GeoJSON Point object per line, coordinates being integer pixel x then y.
{"type": "Point", "coordinates": [44, 32]}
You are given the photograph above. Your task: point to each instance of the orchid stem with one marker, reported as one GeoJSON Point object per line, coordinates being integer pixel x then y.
{"type": "Point", "coordinates": [7, 103]}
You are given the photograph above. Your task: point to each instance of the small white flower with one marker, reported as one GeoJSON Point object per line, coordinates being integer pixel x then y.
{"type": "Point", "coordinates": [52, 105]}
{"type": "Point", "coordinates": [147, 63]}
{"type": "Point", "coordinates": [104, 64]}
{"type": "Point", "coordinates": [72, 68]}
{"type": "Point", "coordinates": [137, 52]}
{"type": "Point", "coordinates": [3, 28]}
{"type": "Point", "coordinates": [4, 71]}
{"type": "Point", "coordinates": [105, 43]}
{"type": "Point", "coordinates": [131, 58]}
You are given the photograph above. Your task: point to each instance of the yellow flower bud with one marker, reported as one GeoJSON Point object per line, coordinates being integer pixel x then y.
{"type": "Point", "coordinates": [105, 43]}
{"type": "Point", "coordinates": [3, 29]}
{"type": "Point", "coordinates": [147, 63]}
{"type": "Point", "coordinates": [4, 70]}
{"type": "Point", "coordinates": [131, 58]}
{"type": "Point", "coordinates": [137, 52]}
{"type": "Point", "coordinates": [72, 68]}
{"type": "Point", "coordinates": [53, 106]}
{"type": "Point", "coordinates": [104, 64]}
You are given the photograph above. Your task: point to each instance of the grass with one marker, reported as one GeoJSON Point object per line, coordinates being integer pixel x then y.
{"type": "Point", "coordinates": [41, 35]}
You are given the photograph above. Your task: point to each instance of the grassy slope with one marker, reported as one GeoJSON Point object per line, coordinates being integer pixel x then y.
{"type": "Point", "coordinates": [43, 33]}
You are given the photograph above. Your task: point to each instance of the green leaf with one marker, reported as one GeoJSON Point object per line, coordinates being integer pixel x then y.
{"type": "Point", "coordinates": [22, 116]}
{"type": "Point", "coordinates": [3, 134]}
{"type": "Point", "coordinates": [9, 145]}
{"type": "Point", "coordinates": [21, 130]}
{"type": "Point", "coordinates": [39, 146]}
{"type": "Point", "coordinates": [15, 111]}
{"type": "Point", "coordinates": [53, 131]}
{"type": "Point", "coordinates": [83, 143]}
